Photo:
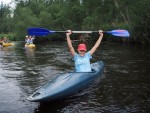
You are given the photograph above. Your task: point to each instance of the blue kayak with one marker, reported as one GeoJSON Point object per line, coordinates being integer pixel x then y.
{"type": "Point", "coordinates": [67, 84]}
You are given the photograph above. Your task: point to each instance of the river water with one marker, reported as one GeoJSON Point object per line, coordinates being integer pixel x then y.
{"type": "Point", "coordinates": [124, 87]}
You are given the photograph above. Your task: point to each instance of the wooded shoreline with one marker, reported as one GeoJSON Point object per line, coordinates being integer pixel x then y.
{"type": "Point", "coordinates": [77, 15]}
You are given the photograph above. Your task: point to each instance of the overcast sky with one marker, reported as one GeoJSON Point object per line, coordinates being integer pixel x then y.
{"type": "Point", "coordinates": [5, 1]}
{"type": "Point", "coordinates": [8, 2]}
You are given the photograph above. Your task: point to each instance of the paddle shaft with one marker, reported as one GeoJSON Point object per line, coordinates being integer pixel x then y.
{"type": "Point", "coordinates": [78, 31]}
{"type": "Point", "coordinates": [121, 33]}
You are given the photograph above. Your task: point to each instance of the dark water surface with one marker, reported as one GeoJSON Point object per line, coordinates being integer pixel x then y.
{"type": "Point", "coordinates": [124, 86]}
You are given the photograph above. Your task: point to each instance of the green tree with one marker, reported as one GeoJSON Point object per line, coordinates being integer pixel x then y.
{"type": "Point", "coordinates": [5, 19]}
{"type": "Point", "coordinates": [83, 15]}
{"type": "Point", "coordinates": [23, 20]}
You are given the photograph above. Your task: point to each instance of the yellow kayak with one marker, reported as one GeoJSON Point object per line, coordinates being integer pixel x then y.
{"type": "Point", "coordinates": [30, 46]}
{"type": "Point", "coordinates": [7, 44]}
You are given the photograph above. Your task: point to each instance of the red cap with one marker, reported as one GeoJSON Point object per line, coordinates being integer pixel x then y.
{"type": "Point", "coordinates": [82, 47]}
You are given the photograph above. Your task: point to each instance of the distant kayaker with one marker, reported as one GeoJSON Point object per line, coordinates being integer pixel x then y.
{"type": "Point", "coordinates": [26, 39]}
{"type": "Point", "coordinates": [5, 40]}
{"type": "Point", "coordinates": [82, 58]}
{"type": "Point", "coordinates": [29, 39]}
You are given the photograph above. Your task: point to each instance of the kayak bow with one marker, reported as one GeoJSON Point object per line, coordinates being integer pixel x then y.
{"type": "Point", "coordinates": [32, 46]}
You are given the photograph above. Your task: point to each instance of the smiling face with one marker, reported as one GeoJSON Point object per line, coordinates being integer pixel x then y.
{"type": "Point", "coordinates": [81, 52]}
{"type": "Point", "coordinates": [81, 49]}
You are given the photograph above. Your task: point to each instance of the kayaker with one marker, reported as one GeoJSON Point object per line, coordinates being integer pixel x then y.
{"type": "Point", "coordinates": [82, 58]}
{"type": "Point", "coordinates": [5, 40]}
{"type": "Point", "coordinates": [29, 39]}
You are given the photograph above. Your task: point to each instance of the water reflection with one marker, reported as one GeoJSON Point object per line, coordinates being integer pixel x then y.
{"type": "Point", "coordinates": [5, 51]}
{"type": "Point", "coordinates": [124, 86]}
{"type": "Point", "coordinates": [30, 52]}
{"type": "Point", "coordinates": [13, 97]}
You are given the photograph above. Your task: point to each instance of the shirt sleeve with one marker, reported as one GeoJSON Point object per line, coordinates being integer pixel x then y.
{"type": "Point", "coordinates": [89, 55]}
{"type": "Point", "coordinates": [75, 56]}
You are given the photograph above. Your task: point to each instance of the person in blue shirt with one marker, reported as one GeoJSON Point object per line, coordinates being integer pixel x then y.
{"type": "Point", "coordinates": [82, 58]}
{"type": "Point", "coordinates": [29, 40]}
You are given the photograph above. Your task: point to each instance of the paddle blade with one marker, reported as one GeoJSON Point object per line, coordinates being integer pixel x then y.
{"type": "Point", "coordinates": [119, 33]}
{"type": "Point", "coordinates": [39, 31]}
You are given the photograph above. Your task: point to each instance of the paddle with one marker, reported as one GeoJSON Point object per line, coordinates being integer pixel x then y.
{"type": "Point", "coordinates": [44, 32]}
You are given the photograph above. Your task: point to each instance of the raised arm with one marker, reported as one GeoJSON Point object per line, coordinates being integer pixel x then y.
{"type": "Point", "coordinates": [97, 43]}
{"type": "Point", "coordinates": [69, 42]}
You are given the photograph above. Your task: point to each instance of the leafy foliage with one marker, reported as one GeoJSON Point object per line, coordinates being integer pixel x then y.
{"type": "Point", "coordinates": [78, 15]}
